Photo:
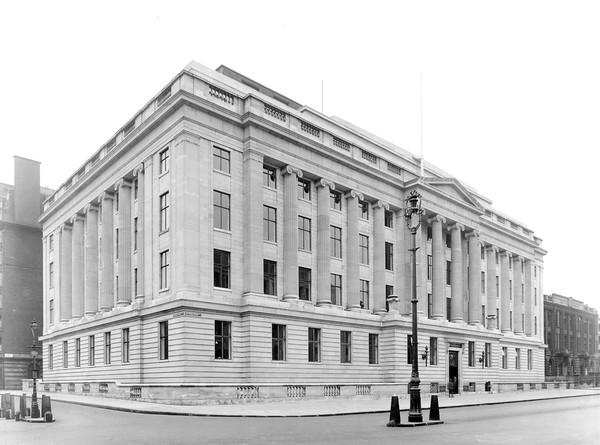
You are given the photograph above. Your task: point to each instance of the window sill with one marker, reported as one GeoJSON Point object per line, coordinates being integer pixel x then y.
{"type": "Point", "coordinates": [221, 172]}
{"type": "Point", "coordinates": [216, 229]}
{"type": "Point", "coordinates": [304, 250]}
{"type": "Point", "coordinates": [162, 232]}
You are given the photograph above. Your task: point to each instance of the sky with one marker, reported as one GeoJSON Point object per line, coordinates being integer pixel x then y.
{"type": "Point", "coordinates": [504, 96]}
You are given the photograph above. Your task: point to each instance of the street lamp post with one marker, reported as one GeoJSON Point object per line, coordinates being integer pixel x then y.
{"type": "Point", "coordinates": [35, 409]}
{"type": "Point", "coordinates": [413, 221]}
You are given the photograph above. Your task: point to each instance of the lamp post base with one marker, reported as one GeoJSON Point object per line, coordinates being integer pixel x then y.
{"type": "Point", "coordinates": [35, 408]}
{"type": "Point", "coordinates": [414, 414]}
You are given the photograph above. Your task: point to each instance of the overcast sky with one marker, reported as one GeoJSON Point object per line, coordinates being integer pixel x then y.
{"type": "Point", "coordinates": [511, 90]}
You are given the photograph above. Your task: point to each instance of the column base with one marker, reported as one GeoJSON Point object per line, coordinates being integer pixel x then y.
{"type": "Point", "coordinates": [324, 303]}
{"type": "Point", "coordinates": [123, 303]}
{"type": "Point", "coordinates": [290, 297]}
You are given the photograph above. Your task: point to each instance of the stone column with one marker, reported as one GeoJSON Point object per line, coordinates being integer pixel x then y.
{"type": "Point", "coordinates": [529, 303]}
{"type": "Point", "coordinates": [492, 294]}
{"type": "Point", "coordinates": [379, 257]}
{"type": "Point", "coordinates": [352, 250]}
{"type": "Point", "coordinates": [290, 232]}
{"type": "Point", "coordinates": [518, 294]}
{"type": "Point", "coordinates": [77, 266]}
{"type": "Point", "coordinates": [253, 222]}
{"type": "Point", "coordinates": [438, 282]}
{"type": "Point", "coordinates": [402, 273]}
{"type": "Point", "coordinates": [474, 277]}
{"type": "Point", "coordinates": [324, 188]}
{"type": "Point", "coordinates": [91, 259]}
{"type": "Point", "coordinates": [106, 253]}
{"type": "Point", "coordinates": [138, 173]}
{"type": "Point", "coordinates": [66, 302]}
{"type": "Point", "coordinates": [456, 274]}
{"type": "Point", "coordinates": [123, 188]}
{"type": "Point", "coordinates": [505, 258]}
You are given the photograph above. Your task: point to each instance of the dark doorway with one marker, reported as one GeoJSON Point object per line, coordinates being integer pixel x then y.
{"type": "Point", "coordinates": [453, 371]}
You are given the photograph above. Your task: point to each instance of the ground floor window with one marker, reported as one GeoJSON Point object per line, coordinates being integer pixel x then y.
{"type": "Point", "coordinates": [471, 353]}
{"type": "Point", "coordinates": [488, 355]}
{"type": "Point", "coordinates": [314, 344]}
{"type": "Point", "coordinates": [345, 346]}
{"type": "Point", "coordinates": [433, 351]}
{"type": "Point", "coordinates": [107, 348]}
{"type": "Point", "coordinates": [222, 340]}
{"type": "Point", "coordinates": [504, 357]}
{"type": "Point", "coordinates": [278, 342]}
{"type": "Point", "coordinates": [373, 349]}
{"type": "Point", "coordinates": [163, 340]}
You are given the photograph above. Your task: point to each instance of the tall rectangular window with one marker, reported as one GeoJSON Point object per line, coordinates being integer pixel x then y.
{"type": "Point", "coordinates": [364, 249]}
{"type": "Point", "coordinates": [304, 239]}
{"type": "Point", "coordinates": [488, 355]}
{"type": "Point", "coordinates": [429, 233]}
{"type": "Point", "coordinates": [336, 289]}
{"type": "Point", "coordinates": [303, 189]}
{"type": "Point", "coordinates": [304, 283]}
{"type": "Point", "coordinates": [222, 340]}
{"type": "Point", "coordinates": [409, 349]}
{"type": "Point", "coordinates": [345, 347]}
{"type": "Point", "coordinates": [511, 320]}
{"type": "Point", "coordinates": [529, 359]}
{"type": "Point", "coordinates": [388, 219]}
{"type": "Point", "coordinates": [269, 224]}
{"type": "Point", "coordinates": [135, 234]}
{"type": "Point", "coordinates": [51, 242]}
{"type": "Point", "coordinates": [471, 353]}
{"type": "Point", "coordinates": [482, 283]}
{"type": "Point", "coordinates": [222, 209]}
{"type": "Point", "coordinates": [51, 356]}
{"type": "Point", "coordinates": [91, 350]}
{"type": "Point", "coordinates": [77, 352]}
{"type": "Point", "coordinates": [222, 262]}
{"type": "Point", "coordinates": [107, 347]}
{"type": "Point", "coordinates": [429, 267]}
{"type": "Point", "coordinates": [517, 358]}
{"type": "Point", "coordinates": [504, 357]}
{"type": "Point", "coordinates": [429, 305]}
{"type": "Point", "coordinates": [270, 277]}
{"type": "Point", "coordinates": [135, 281]}
{"type": "Point", "coordinates": [364, 294]}
{"type": "Point", "coordinates": [314, 344]}
{"type": "Point", "coordinates": [164, 270]}
{"type": "Point", "coordinates": [269, 177]}
{"type": "Point", "coordinates": [448, 240]}
{"type": "Point", "coordinates": [163, 165]}
{"type": "Point", "coordinates": [278, 342]}
{"type": "Point", "coordinates": [163, 340]}
{"type": "Point", "coordinates": [221, 159]}
{"type": "Point", "coordinates": [448, 309]}
{"type": "Point", "coordinates": [363, 210]}
{"type": "Point", "coordinates": [336, 242]}
{"type": "Point", "coordinates": [389, 256]}
{"type": "Point", "coordinates": [535, 325]}
{"type": "Point", "coordinates": [51, 275]}
{"type": "Point", "coordinates": [164, 212]}
{"type": "Point", "coordinates": [433, 350]}
{"type": "Point", "coordinates": [65, 354]}
{"type": "Point", "coordinates": [136, 186]}
{"type": "Point", "coordinates": [373, 349]}
{"type": "Point", "coordinates": [117, 244]}
{"type": "Point", "coordinates": [335, 201]}
{"type": "Point", "coordinates": [448, 272]}
{"type": "Point", "coordinates": [125, 345]}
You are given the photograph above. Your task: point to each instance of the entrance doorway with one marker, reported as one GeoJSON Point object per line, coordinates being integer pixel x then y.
{"type": "Point", "coordinates": [453, 371]}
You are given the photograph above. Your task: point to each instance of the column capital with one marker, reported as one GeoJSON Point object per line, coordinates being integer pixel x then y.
{"type": "Point", "coordinates": [75, 218]}
{"type": "Point", "coordinates": [90, 208]}
{"type": "Point", "coordinates": [106, 196]}
{"type": "Point", "coordinates": [139, 169]}
{"type": "Point", "coordinates": [253, 155]}
{"type": "Point", "coordinates": [355, 194]}
{"type": "Point", "coordinates": [289, 170]}
{"type": "Point", "coordinates": [517, 258]}
{"type": "Point", "coordinates": [325, 183]}
{"type": "Point", "coordinates": [380, 204]}
{"type": "Point", "coordinates": [122, 183]}
{"type": "Point", "coordinates": [65, 226]}
{"type": "Point", "coordinates": [492, 248]}
{"type": "Point", "coordinates": [472, 233]}
{"type": "Point", "coordinates": [439, 218]}
{"type": "Point", "coordinates": [458, 226]}
{"type": "Point", "coordinates": [506, 253]}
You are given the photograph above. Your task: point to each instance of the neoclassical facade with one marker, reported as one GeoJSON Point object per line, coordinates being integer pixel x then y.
{"type": "Point", "coordinates": [228, 242]}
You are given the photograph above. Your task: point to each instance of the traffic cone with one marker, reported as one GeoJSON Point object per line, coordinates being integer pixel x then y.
{"type": "Point", "coordinates": [394, 412]}
{"type": "Point", "coordinates": [434, 409]}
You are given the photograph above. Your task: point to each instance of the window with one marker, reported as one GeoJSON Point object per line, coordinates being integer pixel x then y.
{"type": "Point", "coordinates": [135, 281]}
{"type": "Point", "coordinates": [364, 249]}
{"type": "Point", "coordinates": [107, 348]}
{"type": "Point", "coordinates": [529, 359]}
{"type": "Point", "coordinates": [270, 277]}
{"type": "Point", "coordinates": [164, 270]}
{"type": "Point", "coordinates": [388, 219]}
{"type": "Point", "coordinates": [269, 224]}
{"type": "Point", "coordinates": [482, 252]}
{"type": "Point", "coordinates": [221, 268]}
{"type": "Point", "coordinates": [164, 212]}
{"type": "Point", "coordinates": [117, 245]}
{"type": "Point", "coordinates": [448, 272]}
{"type": "Point", "coordinates": [488, 355]}
{"type": "Point", "coordinates": [222, 340]}
{"type": "Point", "coordinates": [163, 340]}
{"type": "Point", "coordinates": [363, 210]}
{"type": "Point", "coordinates": [65, 354]}
{"type": "Point", "coordinates": [373, 349]}
{"type": "Point", "coordinates": [51, 275]}
{"type": "Point", "coordinates": [364, 294]}
{"type": "Point", "coordinates": [389, 290]}
{"type": "Point", "coordinates": [269, 177]}
{"type": "Point", "coordinates": [511, 320]}
{"type": "Point", "coordinates": [304, 233]}
{"type": "Point", "coordinates": [125, 345]}
{"type": "Point", "coordinates": [389, 256]}
{"type": "Point", "coordinates": [91, 350]}
{"type": "Point", "coordinates": [409, 351]}
{"type": "Point", "coordinates": [278, 344]}
{"type": "Point", "coordinates": [51, 356]}
{"type": "Point", "coordinates": [429, 267]}
{"type": "Point", "coordinates": [336, 242]}
{"type": "Point", "coordinates": [51, 242]}
{"type": "Point", "coordinates": [77, 352]}
{"type": "Point", "coordinates": [136, 186]}
{"type": "Point", "coordinates": [504, 357]}
{"type": "Point", "coordinates": [429, 305]}
{"type": "Point", "coordinates": [517, 358]}
{"type": "Point", "coordinates": [335, 201]}
{"type": "Point", "coordinates": [221, 159]}
{"type": "Point", "coordinates": [482, 283]}
{"type": "Point", "coordinates": [304, 283]}
{"type": "Point", "coordinates": [471, 353]}
{"type": "Point", "coordinates": [510, 289]}
{"type": "Point", "coordinates": [535, 325]}
{"type": "Point", "coordinates": [345, 347]}
{"type": "Point", "coordinates": [221, 203]}
{"type": "Point", "coordinates": [304, 189]}
{"type": "Point", "coordinates": [336, 289]}
{"type": "Point", "coordinates": [448, 309]}
{"type": "Point", "coordinates": [448, 240]}
{"type": "Point", "coordinates": [433, 350]}
{"type": "Point", "coordinates": [314, 344]}
{"type": "Point", "coordinates": [135, 234]}
{"type": "Point", "coordinates": [163, 165]}
{"type": "Point", "coordinates": [429, 233]}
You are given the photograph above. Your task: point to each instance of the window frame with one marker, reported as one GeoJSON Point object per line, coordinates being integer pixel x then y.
{"type": "Point", "coordinates": [345, 346]}
{"type": "Point", "coordinates": [163, 340]}
{"type": "Point", "coordinates": [223, 343]}
{"type": "Point", "coordinates": [304, 234]}
{"type": "Point", "coordinates": [221, 269]}
{"type": "Point", "coordinates": [335, 243]}
{"type": "Point", "coordinates": [78, 352]}
{"type": "Point", "coordinates": [269, 224]}
{"type": "Point", "coordinates": [269, 177]}
{"type": "Point", "coordinates": [334, 289]}
{"type": "Point", "coordinates": [364, 294]}
{"type": "Point", "coordinates": [164, 276]}
{"type": "Point", "coordinates": [91, 350]}
{"type": "Point", "coordinates": [278, 342]}
{"type": "Point", "coordinates": [363, 246]}
{"type": "Point", "coordinates": [433, 351]}
{"type": "Point", "coordinates": [335, 201]}
{"type": "Point", "coordinates": [125, 343]}
{"type": "Point", "coordinates": [314, 345]}
{"type": "Point", "coordinates": [164, 214]}
{"type": "Point", "coordinates": [304, 190]}
{"type": "Point", "coordinates": [163, 161]}
{"type": "Point", "coordinates": [363, 210]}
{"type": "Point", "coordinates": [389, 256]}
{"type": "Point", "coordinates": [222, 209]}
{"type": "Point", "coordinates": [471, 354]}
{"type": "Point", "coordinates": [373, 349]}
{"type": "Point", "coordinates": [219, 160]}
{"type": "Point", "coordinates": [304, 283]}
{"type": "Point", "coordinates": [269, 277]}
{"type": "Point", "coordinates": [65, 353]}
{"type": "Point", "coordinates": [388, 219]}
{"type": "Point", "coordinates": [107, 348]}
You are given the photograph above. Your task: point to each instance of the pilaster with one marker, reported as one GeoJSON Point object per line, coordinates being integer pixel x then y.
{"type": "Point", "coordinates": [438, 283]}
{"type": "Point", "coordinates": [324, 188]}
{"type": "Point", "coordinates": [106, 253]}
{"type": "Point", "coordinates": [91, 259]}
{"type": "Point", "coordinates": [518, 295]}
{"type": "Point", "coordinates": [253, 222]}
{"type": "Point", "coordinates": [139, 174]}
{"type": "Point", "coordinates": [290, 232]}
{"type": "Point", "coordinates": [505, 258]}
{"type": "Point", "coordinates": [474, 277]}
{"type": "Point", "coordinates": [352, 250]}
{"type": "Point", "coordinates": [65, 283]}
{"type": "Point", "coordinates": [492, 291]}
{"type": "Point", "coordinates": [456, 274]}
{"type": "Point", "coordinates": [77, 267]}
{"type": "Point", "coordinates": [379, 273]}
{"type": "Point", "coordinates": [123, 188]}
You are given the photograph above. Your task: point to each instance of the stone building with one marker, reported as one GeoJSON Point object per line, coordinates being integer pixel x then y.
{"type": "Point", "coordinates": [20, 270]}
{"type": "Point", "coordinates": [230, 243]}
{"type": "Point", "coordinates": [571, 333]}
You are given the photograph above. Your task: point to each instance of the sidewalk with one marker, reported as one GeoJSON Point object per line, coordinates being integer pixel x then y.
{"type": "Point", "coordinates": [308, 408]}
